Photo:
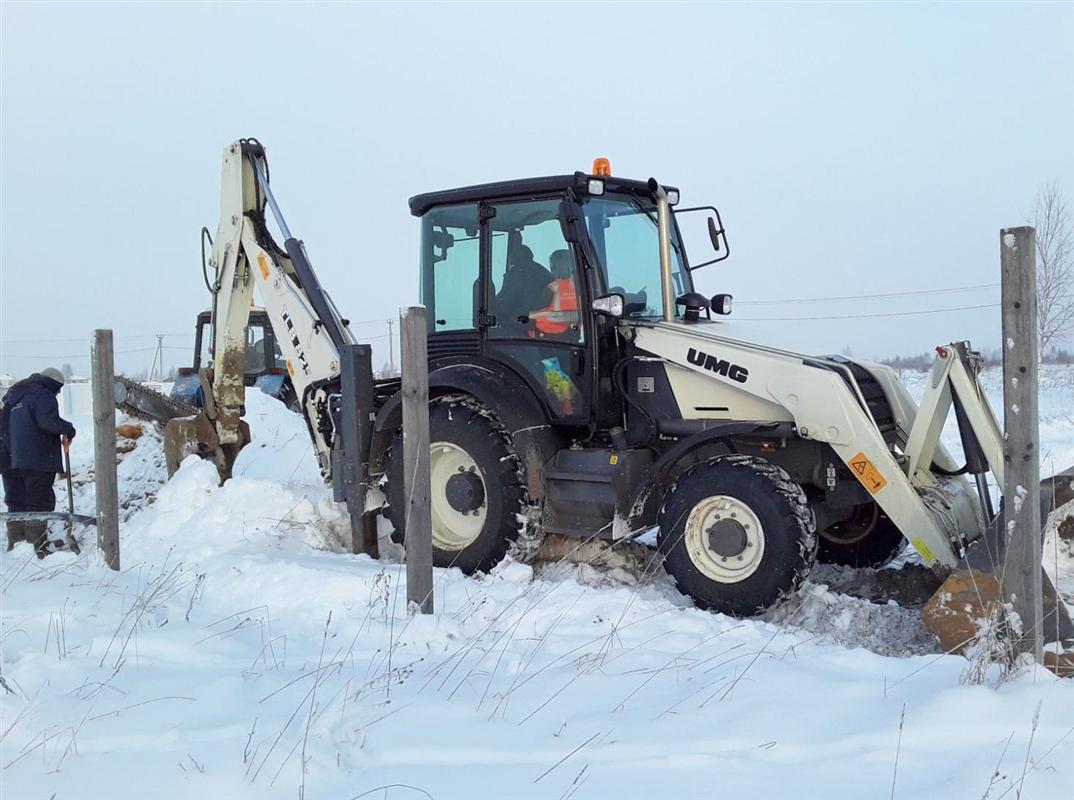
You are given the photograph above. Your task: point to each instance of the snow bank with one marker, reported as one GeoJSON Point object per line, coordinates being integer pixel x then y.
{"type": "Point", "coordinates": [237, 656]}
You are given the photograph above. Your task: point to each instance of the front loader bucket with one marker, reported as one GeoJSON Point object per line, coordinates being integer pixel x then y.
{"type": "Point", "coordinates": [196, 435]}
{"type": "Point", "coordinates": [975, 591]}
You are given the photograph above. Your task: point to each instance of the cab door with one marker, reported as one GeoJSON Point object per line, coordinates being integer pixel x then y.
{"type": "Point", "coordinates": [534, 295]}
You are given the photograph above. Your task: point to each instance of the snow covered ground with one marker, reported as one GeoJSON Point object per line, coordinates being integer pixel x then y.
{"type": "Point", "coordinates": [240, 654]}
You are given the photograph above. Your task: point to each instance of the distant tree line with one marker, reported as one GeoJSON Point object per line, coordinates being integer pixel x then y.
{"type": "Point", "coordinates": [992, 358]}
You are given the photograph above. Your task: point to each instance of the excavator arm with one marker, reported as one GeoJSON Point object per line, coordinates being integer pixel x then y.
{"type": "Point", "coordinates": [310, 330]}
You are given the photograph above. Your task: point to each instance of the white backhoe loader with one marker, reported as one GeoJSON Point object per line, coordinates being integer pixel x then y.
{"type": "Point", "coordinates": [580, 386]}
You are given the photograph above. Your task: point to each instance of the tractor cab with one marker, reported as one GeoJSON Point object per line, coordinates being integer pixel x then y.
{"type": "Point", "coordinates": [543, 276]}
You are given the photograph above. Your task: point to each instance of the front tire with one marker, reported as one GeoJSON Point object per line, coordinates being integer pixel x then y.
{"type": "Point", "coordinates": [737, 534]}
{"type": "Point", "coordinates": [476, 491]}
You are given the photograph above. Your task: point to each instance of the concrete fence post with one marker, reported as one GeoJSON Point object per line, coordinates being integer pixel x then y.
{"type": "Point", "coordinates": [1021, 452]}
{"type": "Point", "coordinates": [106, 481]}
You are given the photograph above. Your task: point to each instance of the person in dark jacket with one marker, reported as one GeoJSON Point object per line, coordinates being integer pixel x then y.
{"type": "Point", "coordinates": [31, 434]}
{"type": "Point", "coordinates": [524, 289]}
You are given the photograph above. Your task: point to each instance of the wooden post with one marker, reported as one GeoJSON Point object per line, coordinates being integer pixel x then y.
{"type": "Point", "coordinates": [418, 520]}
{"type": "Point", "coordinates": [351, 473]}
{"type": "Point", "coordinates": [1021, 452]}
{"type": "Point", "coordinates": [104, 447]}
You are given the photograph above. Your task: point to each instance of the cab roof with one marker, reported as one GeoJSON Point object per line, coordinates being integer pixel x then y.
{"type": "Point", "coordinates": [525, 187]}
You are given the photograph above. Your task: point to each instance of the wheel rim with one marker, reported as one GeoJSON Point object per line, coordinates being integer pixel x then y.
{"type": "Point", "coordinates": [724, 538]}
{"type": "Point", "coordinates": [456, 525]}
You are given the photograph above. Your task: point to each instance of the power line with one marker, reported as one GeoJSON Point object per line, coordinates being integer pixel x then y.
{"type": "Point", "coordinates": [868, 316]}
{"type": "Point", "coordinates": [71, 355]}
{"type": "Point", "coordinates": [185, 334]}
{"type": "Point", "coordinates": [87, 338]}
{"type": "Point", "coordinates": [886, 295]}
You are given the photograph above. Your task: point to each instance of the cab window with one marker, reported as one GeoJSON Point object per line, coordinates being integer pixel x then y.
{"type": "Point", "coordinates": [623, 230]}
{"type": "Point", "coordinates": [534, 288]}
{"type": "Point", "coordinates": [450, 261]}
{"type": "Point", "coordinates": [255, 349]}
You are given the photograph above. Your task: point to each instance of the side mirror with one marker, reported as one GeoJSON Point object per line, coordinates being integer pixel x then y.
{"type": "Point", "coordinates": [714, 234]}
{"type": "Point", "coordinates": [691, 234]}
{"type": "Point", "coordinates": [721, 303]}
{"type": "Point", "coordinates": [611, 305]}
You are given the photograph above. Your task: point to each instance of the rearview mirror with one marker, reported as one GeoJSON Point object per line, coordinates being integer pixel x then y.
{"type": "Point", "coordinates": [690, 231]}
{"type": "Point", "coordinates": [714, 234]}
{"type": "Point", "coordinates": [611, 305]}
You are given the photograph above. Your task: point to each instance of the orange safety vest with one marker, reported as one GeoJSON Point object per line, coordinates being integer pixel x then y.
{"type": "Point", "coordinates": [558, 316]}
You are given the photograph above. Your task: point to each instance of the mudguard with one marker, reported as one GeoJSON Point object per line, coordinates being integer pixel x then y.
{"type": "Point", "coordinates": [503, 392]}
{"type": "Point", "coordinates": [641, 512]}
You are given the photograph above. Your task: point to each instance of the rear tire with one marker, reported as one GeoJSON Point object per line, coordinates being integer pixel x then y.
{"type": "Point", "coordinates": [476, 488]}
{"type": "Point", "coordinates": [737, 534]}
{"type": "Point", "coordinates": [868, 538]}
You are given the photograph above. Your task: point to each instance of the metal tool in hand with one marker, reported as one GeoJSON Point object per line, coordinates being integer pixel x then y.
{"type": "Point", "coordinates": [69, 536]}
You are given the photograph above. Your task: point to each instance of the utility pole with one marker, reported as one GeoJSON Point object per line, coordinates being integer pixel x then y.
{"type": "Point", "coordinates": [391, 347]}
{"type": "Point", "coordinates": [156, 372]}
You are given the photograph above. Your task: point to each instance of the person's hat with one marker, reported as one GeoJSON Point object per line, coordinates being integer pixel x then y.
{"type": "Point", "coordinates": [55, 374]}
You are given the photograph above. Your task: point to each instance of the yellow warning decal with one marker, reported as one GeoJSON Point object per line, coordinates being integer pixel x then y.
{"type": "Point", "coordinates": [867, 473]}
{"type": "Point", "coordinates": [263, 263]}
{"type": "Point", "coordinates": [614, 459]}
{"type": "Point", "coordinates": [290, 368]}
{"type": "Point", "coordinates": [923, 549]}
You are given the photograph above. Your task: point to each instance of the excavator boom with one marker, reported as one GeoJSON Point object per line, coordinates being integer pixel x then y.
{"type": "Point", "coordinates": [310, 330]}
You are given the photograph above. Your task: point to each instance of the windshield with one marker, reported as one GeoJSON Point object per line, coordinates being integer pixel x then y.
{"type": "Point", "coordinates": [623, 230]}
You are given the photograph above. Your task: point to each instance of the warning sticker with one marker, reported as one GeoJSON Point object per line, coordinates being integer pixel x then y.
{"type": "Point", "coordinates": [867, 473]}
{"type": "Point", "coordinates": [923, 549]}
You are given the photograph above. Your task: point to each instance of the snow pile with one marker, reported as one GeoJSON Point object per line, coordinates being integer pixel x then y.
{"type": "Point", "coordinates": [231, 659]}
{"type": "Point", "coordinates": [887, 629]}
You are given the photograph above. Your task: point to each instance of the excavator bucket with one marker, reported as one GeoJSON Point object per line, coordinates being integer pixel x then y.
{"type": "Point", "coordinates": [187, 431]}
{"type": "Point", "coordinates": [196, 435]}
{"type": "Point", "coordinates": [975, 591]}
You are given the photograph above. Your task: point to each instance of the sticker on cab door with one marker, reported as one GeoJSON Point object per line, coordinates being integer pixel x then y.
{"type": "Point", "coordinates": [866, 472]}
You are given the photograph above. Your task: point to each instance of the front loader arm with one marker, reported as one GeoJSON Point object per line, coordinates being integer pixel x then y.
{"type": "Point", "coordinates": [824, 409]}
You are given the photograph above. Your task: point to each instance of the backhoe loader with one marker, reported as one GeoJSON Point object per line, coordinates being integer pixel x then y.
{"type": "Point", "coordinates": [579, 385]}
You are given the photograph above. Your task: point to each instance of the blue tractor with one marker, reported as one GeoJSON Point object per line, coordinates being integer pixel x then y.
{"type": "Point", "coordinates": [265, 369]}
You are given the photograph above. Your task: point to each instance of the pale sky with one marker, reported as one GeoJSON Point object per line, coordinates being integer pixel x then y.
{"type": "Point", "coordinates": [852, 149]}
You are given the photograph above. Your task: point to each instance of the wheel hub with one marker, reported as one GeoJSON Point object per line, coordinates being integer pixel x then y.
{"type": "Point", "coordinates": [457, 495]}
{"type": "Point", "coordinates": [724, 538]}
{"type": "Point", "coordinates": [727, 538]}
{"type": "Point", "coordinates": [465, 491]}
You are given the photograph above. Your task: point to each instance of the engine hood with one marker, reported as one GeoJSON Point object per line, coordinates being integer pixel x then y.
{"type": "Point", "coordinates": [765, 338]}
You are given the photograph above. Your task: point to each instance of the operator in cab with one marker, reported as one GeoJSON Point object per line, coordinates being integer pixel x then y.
{"type": "Point", "coordinates": [524, 289]}
{"type": "Point", "coordinates": [561, 314]}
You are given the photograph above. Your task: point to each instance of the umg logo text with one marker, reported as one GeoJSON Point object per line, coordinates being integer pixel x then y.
{"type": "Point", "coordinates": [718, 365]}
